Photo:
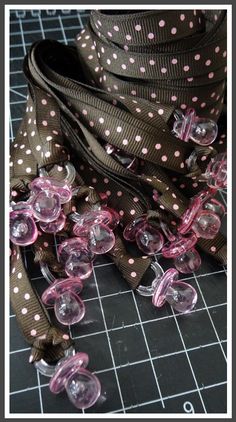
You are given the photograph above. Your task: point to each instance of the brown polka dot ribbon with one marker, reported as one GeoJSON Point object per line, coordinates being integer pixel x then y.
{"type": "Point", "coordinates": [47, 341]}
{"type": "Point", "coordinates": [121, 85]}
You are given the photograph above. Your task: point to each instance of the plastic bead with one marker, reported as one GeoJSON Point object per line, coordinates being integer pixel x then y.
{"type": "Point", "coordinates": [206, 224]}
{"type": "Point", "coordinates": [54, 226]}
{"type": "Point", "coordinates": [23, 230]}
{"type": "Point", "coordinates": [200, 130]}
{"type": "Point", "coordinates": [188, 262]}
{"type": "Point", "coordinates": [181, 296]}
{"type": "Point", "coordinates": [83, 387]}
{"type": "Point", "coordinates": [181, 245]}
{"type": "Point", "coordinates": [216, 172]}
{"type": "Point", "coordinates": [149, 239]}
{"type": "Point", "coordinates": [63, 294]}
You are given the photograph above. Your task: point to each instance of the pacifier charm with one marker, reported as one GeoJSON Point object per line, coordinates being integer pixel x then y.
{"type": "Point", "coordinates": [83, 387]}
{"type": "Point", "coordinates": [200, 130]}
{"type": "Point", "coordinates": [23, 230]}
{"type": "Point", "coordinates": [64, 296]}
{"type": "Point", "coordinates": [48, 196]}
{"type": "Point", "coordinates": [216, 172]}
{"type": "Point", "coordinates": [181, 296]}
{"type": "Point", "coordinates": [149, 239]}
{"type": "Point", "coordinates": [55, 226]}
{"type": "Point", "coordinates": [186, 258]}
{"type": "Point", "coordinates": [204, 222]}
{"type": "Point", "coordinates": [73, 253]}
{"type": "Point", "coordinates": [188, 262]}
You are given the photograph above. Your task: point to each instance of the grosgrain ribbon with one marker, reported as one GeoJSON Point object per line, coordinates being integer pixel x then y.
{"type": "Point", "coordinates": [79, 101]}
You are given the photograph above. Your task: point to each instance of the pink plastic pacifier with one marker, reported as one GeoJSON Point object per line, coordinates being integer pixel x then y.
{"type": "Point", "coordinates": [186, 258]}
{"type": "Point", "coordinates": [64, 296]}
{"type": "Point", "coordinates": [48, 196]}
{"type": "Point", "coordinates": [23, 230]}
{"type": "Point", "coordinates": [200, 130]}
{"type": "Point", "coordinates": [204, 222]}
{"type": "Point", "coordinates": [181, 296]}
{"type": "Point", "coordinates": [149, 239]}
{"type": "Point", "coordinates": [73, 253]}
{"type": "Point", "coordinates": [131, 229]}
{"type": "Point", "coordinates": [55, 226]}
{"type": "Point", "coordinates": [83, 387]}
{"type": "Point", "coordinates": [216, 172]}
{"type": "Point", "coordinates": [215, 206]}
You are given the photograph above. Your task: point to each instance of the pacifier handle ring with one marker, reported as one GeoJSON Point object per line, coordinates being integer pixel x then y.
{"type": "Point", "coordinates": [48, 370]}
{"type": "Point", "coordinates": [147, 291]}
{"type": "Point", "coordinates": [49, 277]}
{"type": "Point", "coordinates": [70, 169]}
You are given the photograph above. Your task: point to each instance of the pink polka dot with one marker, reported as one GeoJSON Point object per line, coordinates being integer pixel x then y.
{"type": "Point", "coordinates": [37, 317]}
{"type": "Point", "coordinates": [173, 98]}
{"type": "Point", "coordinates": [107, 132]}
{"type": "Point", "coordinates": [125, 142]}
{"type": "Point", "coordinates": [16, 290]}
{"type": "Point", "coordinates": [203, 158]}
{"type": "Point", "coordinates": [225, 54]}
{"type": "Point", "coordinates": [203, 105]}
{"type": "Point", "coordinates": [197, 57]}
{"type": "Point", "coordinates": [182, 165]}
{"type": "Point", "coordinates": [65, 337]}
{"type": "Point", "coordinates": [138, 138]}
{"type": "Point", "coordinates": [152, 62]}
{"type": "Point", "coordinates": [128, 37]}
{"type": "Point", "coordinates": [106, 180]}
{"type": "Point", "coordinates": [160, 111]}
{"type": "Point", "coordinates": [211, 75]}
{"type": "Point", "coordinates": [123, 66]}
{"type": "Point", "coordinates": [173, 31]}
{"type": "Point", "coordinates": [27, 296]}
{"type": "Point", "coordinates": [135, 199]}
{"type": "Point", "coordinates": [116, 28]}
{"type": "Point", "coordinates": [44, 102]}
{"type": "Point", "coordinates": [186, 68]}
{"type": "Point", "coordinates": [158, 146]}
{"type": "Point", "coordinates": [150, 36]}
{"type": "Point", "coordinates": [213, 249]}
{"type": "Point", "coordinates": [164, 158]}
{"type": "Point", "coordinates": [150, 114]}
{"type": "Point", "coordinates": [33, 333]}
{"type": "Point", "coordinates": [108, 192]}
{"type": "Point", "coordinates": [177, 154]}
{"type": "Point", "coordinates": [24, 311]}
{"type": "Point", "coordinates": [44, 122]}
{"type": "Point", "coordinates": [133, 274]}
{"type": "Point", "coordinates": [175, 206]}
{"type": "Point", "coordinates": [144, 150]}
{"type": "Point", "coordinates": [163, 70]}
{"type": "Point", "coordinates": [191, 24]}
{"type": "Point", "coordinates": [208, 62]}
{"type": "Point", "coordinates": [119, 193]}
{"type": "Point", "coordinates": [174, 61]}
{"type": "Point", "coordinates": [182, 186]}
{"type": "Point", "coordinates": [142, 69]}
{"type": "Point", "coordinates": [131, 261]}
{"type": "Point", "coordinates": [162, 23]}
{"type": "Point", "coordinates": [183, 106]}
{"type": "Point", "coordinates": [217, 49]}
{"type": "Point", "coordinates": [121, 212]}
{"type": "Point", "coordinates": [138, 27]}
{"type": "Point", "coordinates": [189, 79]}
{"type": "Point", "coordinates": [182, 17]}
{"type": "Point", "coordinates": [194, 99]}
